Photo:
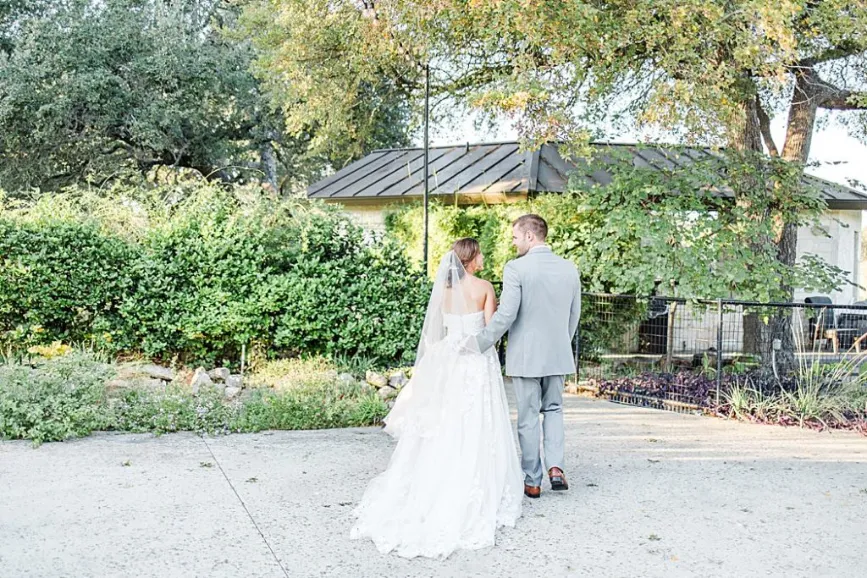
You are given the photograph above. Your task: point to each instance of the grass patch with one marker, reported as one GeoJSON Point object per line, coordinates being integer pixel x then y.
{"type": "Point", "coordinates": [309, 407]}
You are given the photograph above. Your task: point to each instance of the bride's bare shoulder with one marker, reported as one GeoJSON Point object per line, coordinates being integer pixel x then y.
{"type": "Point", "coordinates": [482, 285]}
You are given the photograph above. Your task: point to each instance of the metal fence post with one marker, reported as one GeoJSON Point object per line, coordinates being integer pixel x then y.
{"type": "Point", "coordinates": [577, 354]}
{"type": "Point", "coordinates": [719, 347]}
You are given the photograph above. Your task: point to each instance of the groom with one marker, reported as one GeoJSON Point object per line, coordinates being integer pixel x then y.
{"type": "Point", "coordinates": [539, 307]}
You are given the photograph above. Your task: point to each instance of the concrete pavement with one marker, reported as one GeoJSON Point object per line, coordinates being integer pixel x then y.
{"type": "Point", "coordinates": [653, 494]}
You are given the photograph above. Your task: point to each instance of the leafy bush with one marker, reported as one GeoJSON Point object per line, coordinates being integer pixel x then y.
{"type": "Point", "coordinates": [306, 394]}
{"type": "Point", "coordinates": [194, 272]}
{"type": "Point", "coordinates": [56, 399]}
{"type": "Point", "coordinates": [174, 409]}
{"type": "Point", "coordinates": [282, 374]}
{"type": "Point", "coordinates": [347, 295]}
{"type": "Point", "coordinates": [60, 280]}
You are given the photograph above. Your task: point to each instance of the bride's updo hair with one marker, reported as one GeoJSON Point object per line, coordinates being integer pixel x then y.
{"type": "Point", "coordinates": [465, 250]}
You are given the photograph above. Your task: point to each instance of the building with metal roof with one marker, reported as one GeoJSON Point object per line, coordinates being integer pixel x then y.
{"type": "Point", "coordinates": [501, 172]}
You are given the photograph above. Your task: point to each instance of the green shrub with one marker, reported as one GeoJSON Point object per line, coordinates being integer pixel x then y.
{"type": "Point", "coordinates": [60, 280]}
{"type": "Point", "coordinates": [200, 274]}
{"type": "Point", "coordinates": [63, 397]}
{"type": "Point", "coordinates": [194, 272]}
{"type": "Point", "coordinates": [57, 399]}
{"type": "Point", "coordinates": [282, 374]}
{"type": "Point", "coordinates": [305, 394]}
{"type": "Point", "coordinates": [346, 295]}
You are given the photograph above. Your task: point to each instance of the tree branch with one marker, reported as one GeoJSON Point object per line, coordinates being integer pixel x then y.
{"type": "Point", "coordinates": [841, 99]}
{"type": "Point", "coordinates": [829, 96]}
{"type": "Point", "coordinates": [842, 50]}
{"type": "Point", "coordinates": [765, 127]}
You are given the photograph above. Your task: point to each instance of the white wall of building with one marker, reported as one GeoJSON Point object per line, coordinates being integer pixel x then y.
{"type": "Point", "coordinates": [370, 217]}
{"type": "Point", "coordinates": [841, 247]}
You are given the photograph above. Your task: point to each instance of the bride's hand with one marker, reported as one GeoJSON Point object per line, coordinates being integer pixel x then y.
{"type": "Point", "coordinates": [469, 345]}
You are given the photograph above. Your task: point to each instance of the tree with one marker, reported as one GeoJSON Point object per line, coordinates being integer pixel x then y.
{"type": "Point", "coordinates": [92, 90]}
{"type": "Point", "coordinates": [12, 14]}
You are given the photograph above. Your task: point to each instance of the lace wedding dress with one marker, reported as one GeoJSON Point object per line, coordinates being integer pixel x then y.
{"type": "Point", "coordinates": [454, 477]}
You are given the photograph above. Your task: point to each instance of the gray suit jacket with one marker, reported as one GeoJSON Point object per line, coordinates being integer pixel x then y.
{"type": "Point", "coordinates": [540, 307]}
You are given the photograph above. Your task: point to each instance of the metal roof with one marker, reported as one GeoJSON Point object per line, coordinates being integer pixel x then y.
{"type": "Point", "coordinates": [487, 168]}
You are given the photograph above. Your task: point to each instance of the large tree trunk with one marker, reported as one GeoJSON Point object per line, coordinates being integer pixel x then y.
{"type": "Point", "coordinates": [269, 164]}
{"type": "Point", "coordinates": [799, 133]}
{"type": "Point", "coordinates": [776, 343]}
{"type": "Point", "coordinates": [749, 137]}
{"type": "Point", "coordinates": [802, 118]}
{"type": "Point", "coordinates": [760, 337]}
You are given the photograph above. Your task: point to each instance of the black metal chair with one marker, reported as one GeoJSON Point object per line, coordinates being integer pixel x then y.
{"type": "Point", "coordinates": [822, 323]}
{"type": "Point", "coordinates": [843, 331]}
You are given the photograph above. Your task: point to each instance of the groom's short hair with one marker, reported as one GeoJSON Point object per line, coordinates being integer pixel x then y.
{"type": "Point", "coordinates": [533, 223]}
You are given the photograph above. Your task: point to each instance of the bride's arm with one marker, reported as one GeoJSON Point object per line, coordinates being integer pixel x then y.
{"type": "Point", "coordinates": [510, 301]}
{"type": "Point", "coordinates": [490, 303]}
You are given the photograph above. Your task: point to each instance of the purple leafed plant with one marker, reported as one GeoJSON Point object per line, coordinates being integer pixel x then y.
{"type": "Point", "coordinates": [701, 391]}
{"type": "Point", "coordinates": [686, 387]}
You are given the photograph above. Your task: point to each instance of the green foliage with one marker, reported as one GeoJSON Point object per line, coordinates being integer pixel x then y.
{"type": "Point", "coordinates": [356, 365]}
{"type": "Point", "coordinates": [305, 394]}
{"type": "Point", "coordinates": [105, 91]}
{"type": "Point", "coordinates": [60, 280]}
{"type": "Point", "coordinates": [349, 100]}
{"type": "Point", "coordinates": [692, 67]}
{"type": "Point", "coordinates": [281, 374]}
{"type": "Point", "coordinates": [346, 295]}
{"type": "Point", "coordinates": [655, 231]}
{"type": "Point", "coordinates": [200, 278]}
{"type": "Point", "coordinates": [672, 227]}
{"type": "Point", "coordinates": [54, 400]}
{"type": "Point", "coordinates": [825, 395]}
{"type": "Point", "coordinates": [172, 410]}
{"type": "Point", "coordinates": [315, 406]}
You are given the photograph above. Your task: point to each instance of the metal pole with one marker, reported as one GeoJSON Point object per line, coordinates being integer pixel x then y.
{"type": "Point", "coordinates": [719, 345]}
{"type": "Point", "coordinates": [577, 354]}
{"type": "Point", "coordinates": [426, 146]}
{"type": "Point", "coordinates": [243, 360]}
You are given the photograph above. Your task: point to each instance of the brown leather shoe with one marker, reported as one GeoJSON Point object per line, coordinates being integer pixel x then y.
{"type": "Point", "coordinates": [558, 480]}
{"type": "Point", "coordinates": [532, 491]}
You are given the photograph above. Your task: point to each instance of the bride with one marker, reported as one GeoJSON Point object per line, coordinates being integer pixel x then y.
{"type": "Point", "coordinates": [454, 477]}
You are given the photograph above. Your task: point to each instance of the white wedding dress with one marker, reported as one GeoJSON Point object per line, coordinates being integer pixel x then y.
{"type": "Point", "coordinates": [454, 477]}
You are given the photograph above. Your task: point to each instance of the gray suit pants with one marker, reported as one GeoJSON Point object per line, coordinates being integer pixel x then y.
{"type": "Point", "coordinates": [540, 395]}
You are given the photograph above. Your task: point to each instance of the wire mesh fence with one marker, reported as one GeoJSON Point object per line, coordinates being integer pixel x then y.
{"type": "Point", "coordinates": [695, 344]}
